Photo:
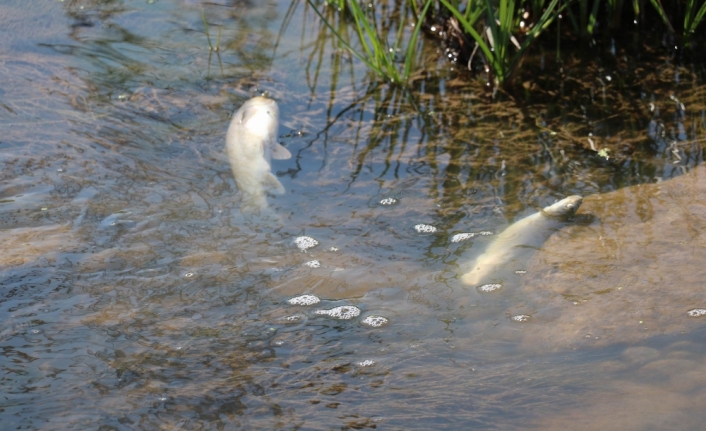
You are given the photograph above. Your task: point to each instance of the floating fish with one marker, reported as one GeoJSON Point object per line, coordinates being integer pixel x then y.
{"type": "Point", "coordinates": [251, 142]}
{"type": "Point", "coordinates": [513, 246]}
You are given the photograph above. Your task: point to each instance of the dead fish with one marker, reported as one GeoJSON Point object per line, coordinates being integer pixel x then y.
{"type": "Point", "coordinates": [251, 142]}
{"type": "Point", "coordinates": [512, 247]}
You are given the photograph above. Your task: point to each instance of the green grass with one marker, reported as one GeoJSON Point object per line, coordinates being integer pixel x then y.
{"type": "Point", "coordinates": [693, 16]}
{"type": "Point", "coordinates": [500, 29]}
{"type": "Point", "coordinates": [374, 49]}
{"type": "Point", "coordinates": [497, 41]}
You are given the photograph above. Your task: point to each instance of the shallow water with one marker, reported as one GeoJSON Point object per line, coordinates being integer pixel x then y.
{"type": "Point", "coordinates": [136, 295]}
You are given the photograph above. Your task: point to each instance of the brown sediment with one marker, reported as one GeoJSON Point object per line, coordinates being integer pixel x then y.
{"type": "Point", "coordinates": [631, 274]}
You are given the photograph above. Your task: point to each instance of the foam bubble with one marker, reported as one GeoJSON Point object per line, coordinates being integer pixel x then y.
{"type": "Point", "coordinates": [462, 236]}
{"type": "Point", "coordinates": [696, 312]}
{"type": "Point", "coordinates": [520, 318]}
{"type": "Point", "coordinates": [425, 228]}
{"type": "Point", "coordinates": [304, 300]}
{"type": "Point", "coordinates": [344, 312]}
{"type": "Point", "coordinates": [291, 319]}
{"type": "Point", "coordinates": [375, 321]}
{"type": "Point", "coordinates": [490, 287]}
{"type": "Point", "coordinates": [313, 264]}
{"type": "Point", "coordinates": [388, 201]}
{"type": "Point", "coordinates": [366, 363]}
{"type": "Point", "coordinates": [333, 248]}
{"type": "Point", "coordinates": [304, 243]}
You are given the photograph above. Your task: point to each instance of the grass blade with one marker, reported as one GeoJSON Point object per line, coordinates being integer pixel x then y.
{"type": "Point", "coordinates": [413, 42]}
{"type": "Point", "coordinates": [477, 37]}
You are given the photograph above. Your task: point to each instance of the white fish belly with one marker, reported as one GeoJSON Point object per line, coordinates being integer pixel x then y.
{"type": "Point", "coordinates": [510, 249]}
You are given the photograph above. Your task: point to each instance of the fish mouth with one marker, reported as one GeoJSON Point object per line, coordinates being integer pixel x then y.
{"type": "Point", "coordinates": [574, 205]}
{"type": "Point", "coordinates": [566, 207]}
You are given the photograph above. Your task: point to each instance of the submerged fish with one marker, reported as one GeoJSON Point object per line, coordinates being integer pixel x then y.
{"type": "Point", "coordinates": [512, 247]}
{"type": "Point", "coordinates": [251, 142]}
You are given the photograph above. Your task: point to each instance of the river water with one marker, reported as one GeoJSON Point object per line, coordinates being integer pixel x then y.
{"type": "Point", "coordinates": [135, 294]}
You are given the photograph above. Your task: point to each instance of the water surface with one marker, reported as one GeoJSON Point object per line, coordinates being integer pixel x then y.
{"type": "Point", "coordinates": [137, 295]}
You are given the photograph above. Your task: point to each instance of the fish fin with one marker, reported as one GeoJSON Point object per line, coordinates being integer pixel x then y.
{"type": "Point", "coordinates": [275, 186]}
{"type": "Point", "coordinates": [279, 152]}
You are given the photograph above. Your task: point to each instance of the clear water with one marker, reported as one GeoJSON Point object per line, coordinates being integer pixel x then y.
{"type": "Point", "coordinates": [136, 295]}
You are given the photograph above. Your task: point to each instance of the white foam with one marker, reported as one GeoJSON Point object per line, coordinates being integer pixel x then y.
{"type": "Point", "coordinates": [344, 312]}
{"type": "Point", "coordinates": [375, 321]}
{"type": "Point", "coordinates": [462, 236]}
{"type": "Point", "coordinates": [305, 242]}
{"type": "Point", "coordinates": [366, 363]}
{"type": "Point", "coordinates": [489, 287]}
{"type": "Point", "coordinates": [520, 318]}
{"type": "Point", "coordinates": [388, 201]}
{"type": "Point", "coordinates": [696, 312]}
{"type": "Point", "coordinates": [468, 235]}
{"type": "Point", "coordinates": [313, 264]}
{"type": "Point", "coordinates": [424, 228]}
{"type": "Point", "coordinates": [304, 300]}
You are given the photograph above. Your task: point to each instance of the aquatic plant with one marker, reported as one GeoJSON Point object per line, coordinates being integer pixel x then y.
{"type": "Point", "coordinates": [375, 50]}
{"type": "Point", "coordinates": [586, 19]}
{"type": "Point", "coordinates": [692, 17]}
{"type": "Point", "coordinates": [501, 25]}
{"type": "Point", "coordinates": [497, 32]}
{"type": "Point", "coordinates": [211, 48]}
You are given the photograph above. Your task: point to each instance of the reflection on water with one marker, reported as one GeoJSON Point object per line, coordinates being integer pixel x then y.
{"type": "Point", "coordinates": [136, 295]}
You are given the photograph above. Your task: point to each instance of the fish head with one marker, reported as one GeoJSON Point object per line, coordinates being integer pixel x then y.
{"type": "Point", "coordinates": [260, 116]}
{"type": "Point", "coordinates": [565, 207]}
